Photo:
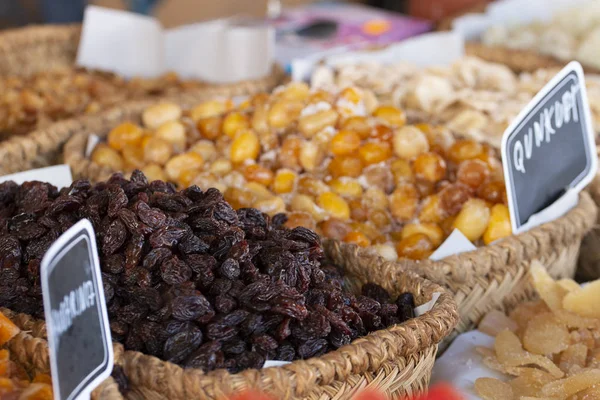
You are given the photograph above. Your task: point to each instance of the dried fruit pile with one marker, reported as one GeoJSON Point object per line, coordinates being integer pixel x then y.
{"type": "Point", "coordinates": [15, 383]}
{"type": "Point", "coordinates": [336, 163]}
{"type": "Point", "coordinates": [35, 101]}
{"type": "Point", "coordinates": [550, 347]}
{"type": "Point", "coordinates": [189, 279]}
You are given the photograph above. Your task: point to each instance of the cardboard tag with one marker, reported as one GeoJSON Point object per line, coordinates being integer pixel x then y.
{"type": "Point", "coordinates": [225, 50]}
{"type": "Point", "coordinates": [79, 339]}
{"type": "Point", "coordinates": [454, 244]}
{"type": "Point", "coordinates": [549, 149]}
{"type": "Point", "coordinates": [57, 175]}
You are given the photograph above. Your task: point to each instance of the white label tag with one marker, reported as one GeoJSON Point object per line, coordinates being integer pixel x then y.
{"type": "Point", "coordinates": [549, 150]}
{"type": "Point", "coordinates": [57, 175]}
{"type": "Point", "coordinates": [454, 244]}
{"type": "Point", "coordinates": [217, 51]}
{"type": "Point", "coordinates": [79, 338]}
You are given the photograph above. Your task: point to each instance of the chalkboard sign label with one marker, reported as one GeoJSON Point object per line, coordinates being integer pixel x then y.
{"type": "Point", "coordinates": [549, 150]}
{"type": "Point", "coordinates": [79, 339]}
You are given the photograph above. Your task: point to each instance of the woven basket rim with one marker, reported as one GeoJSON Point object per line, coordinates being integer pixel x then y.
{"type": "Point", "coordinates": [563, 231]}
{"type": "Point", "coordinates": [418, 335]}
{"type": "Point", "coordinates": [16, 39]}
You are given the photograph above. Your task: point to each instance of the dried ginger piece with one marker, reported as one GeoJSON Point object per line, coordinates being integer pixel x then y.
{"type": "Point", "coordinates": [584, 302]}
{"type": "Point", "coordinates": [574, 356]}
{"type": "Point", "coordinates": [495, 322]}
{"type": "Point", "coordinates": [526, 311]}
{"type": "Point", "coordinates": [530, 382]}
{"type": "Point", "coordinates": [548, 289]}
{"type": "Point", "coordinates": [568, 285]}
{"type": "Point", "coordinates": [493, 389]}
{"type": "Point", "coordinates": [510, 353]}
{"type": "Point", "coordinates": [545, 336]}
{"type": "Point", "coordinates": [573, 384]}
{"type": "Point", "coordinates": [575, 321]}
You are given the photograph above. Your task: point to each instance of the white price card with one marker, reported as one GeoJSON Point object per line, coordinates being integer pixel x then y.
{"type": "Point", "coordinates": [79, 339]}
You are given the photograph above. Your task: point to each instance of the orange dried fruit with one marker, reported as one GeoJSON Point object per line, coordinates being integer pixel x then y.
{"type": "Point", "coordinates": [8, 329]}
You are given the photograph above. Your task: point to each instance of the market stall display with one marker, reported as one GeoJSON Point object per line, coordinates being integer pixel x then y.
{"type": "Point", "coordinates": [191, 281]}
{"type": "Point", "coordinates": [472, 97]}
{"type": "Point", "coordinates": [40, 83]}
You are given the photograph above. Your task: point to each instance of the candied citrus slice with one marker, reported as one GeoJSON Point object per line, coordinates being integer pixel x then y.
{"type": "Point", "coordinates": [493, 389]}
{"type": "Point", "coordinates": [8, 330]}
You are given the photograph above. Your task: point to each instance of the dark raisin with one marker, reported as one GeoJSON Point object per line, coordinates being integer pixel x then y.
{"type": "Point", "coordinates": [182, 344]}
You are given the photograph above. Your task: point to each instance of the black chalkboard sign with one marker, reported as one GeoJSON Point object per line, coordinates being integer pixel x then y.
{"type": "Point", "coordinates": [550, 148]}
{"type": "Point", "coordinates": [79, 337]}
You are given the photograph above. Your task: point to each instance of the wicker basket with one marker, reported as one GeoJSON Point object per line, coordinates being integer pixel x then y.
{"type": "Point", "coordinates": [496, 276]}
{"type": "Point", "coordinates": [30, 50]}
{"type": "Point", "coordinates": [397, 360]}
{"type": "Point", "coordinates": [29, 349]}
{"type": "Point", "coordinates": [589, 259]}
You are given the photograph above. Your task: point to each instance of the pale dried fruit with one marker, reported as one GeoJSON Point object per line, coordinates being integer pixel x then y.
{"type": "Point", "coordinates": [545, 335]}
{"type": "Point", "coordinates": [493, 389]}
{"type": "Point", "coordinates": [585, 301]}
{"type": "Point", "coordinates": [495, 322]}
{"type": "Point", "coordinates": [546, 287]}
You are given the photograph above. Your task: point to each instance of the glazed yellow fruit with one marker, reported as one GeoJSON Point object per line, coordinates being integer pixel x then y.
{"type": "Point", "coordinates": [346, 187]}
{"type": "Point", "coordinates": [125, 134]}
{"type": "Point", "coordinates": [344, 142]}
{"type": "Point", "coordinates": [430, 167]}
{"type": "Point", "coordinates": [357, 124]}
{"type": "Point", "coordinates": [433, 231]}
{"type": "Point", "coordinates": [271, 206]}
{"type": "Point", "coordinates": [210, 108]}
{"type": "Point", "coordinates": [159, 114]}
{"type": "Point", "coordinates": [473, 219]}
{"type": "Point", "coordinates": [392, 115]}
{"type": "Point", "coordinates": [357, 238]}
{"type": "Point", "coordinates": [154, 172]}
{"type": "Point", "coordinates": [258, 173]}
{"type": "Point", "coordinates": [499, 225]}
{"type": "Point", "coordinates": [373, 153]}
{"type": "Point", "coordinates": [310, 125]}
{"type": "Point", "coordinates": [234, 123]}
{"type": "Point", "coordinates": [107, 157]}
{"type": "Point", "coordinates": [409, 142]}
{"type": "Point", "coordinates": [284, 181]}
{"type": "Point", "coordinates": [310, 155]}
{"type": "Point", "coordinates": [404, 201]}
{"type": "Point", "coordinates": [415, 247]}
{"type": "Point", "coordinates": [304, 203]}
{"type": "Point", "coordinates": [174, 133]}
{"type": "Point", "coordinates": [402, 171]}
{"type": "Point", "coordinates": [245, 147]}
{"type": "Point", "coordinates": [206, 149]}
{"type": "Point", "coordinates": [157, 151]}
{"type": "Point", "coordinates": [133, 156]}
{"type": "Point", "coordinates": [283, 112]}
{"type": "Point", "coordinates": [334, 205]}
{"type": "Point", "coordinates": [182, 162]}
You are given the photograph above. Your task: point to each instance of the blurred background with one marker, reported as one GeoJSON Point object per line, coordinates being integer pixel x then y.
{"type": "Point", "coordinates": [14, 13]}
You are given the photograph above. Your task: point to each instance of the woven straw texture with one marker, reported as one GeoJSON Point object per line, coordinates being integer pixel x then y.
{"type": "Point", "coordinates": [30, 350]}
{"type": "Point", "coordinates": [496, 276]}
{"type": "Point", "coordinates": [397, 360]}
{"type": "Point", "coordinates": [589, 259]}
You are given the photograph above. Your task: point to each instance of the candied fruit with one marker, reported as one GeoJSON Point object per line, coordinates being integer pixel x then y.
{"type": "Point", "coordinates": [473, 219]}
{"type": "Point", "coordinates": [334, 205]}
{"type": "Point", "coordinates": [417, 246]}
{"type": "Point", "coordinates": [125, 134]}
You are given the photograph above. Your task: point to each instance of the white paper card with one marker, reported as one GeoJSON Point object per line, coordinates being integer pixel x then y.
{"type": "Point", "coordinates": [454, 244]}
{"type": "Point", "coordinates": [430, 49]}
{"type": "Point", "coordinates": [273, 363]}
{"type": "Point", "coordinates": [461, 365]}
{"type": "Point", "coordinates": [125, 43]}
{"type": "Point", "coordinates": [423, 308]}
{"type": "Point", "coordinates": [57, 175]}
{"type": "Point", "coordinates": [219, 51]}
{"type": "Point", "coordinates": [92, 141]}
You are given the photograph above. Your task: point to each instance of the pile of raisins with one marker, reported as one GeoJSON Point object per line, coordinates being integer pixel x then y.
{"type": "Point", "coordinates": [189, 279]}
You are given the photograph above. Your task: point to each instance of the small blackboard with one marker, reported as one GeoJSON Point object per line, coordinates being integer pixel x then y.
{"type": "Point", "coordinates": [79, 339]}
{"type": "Point", "coordinates": [550, 148]}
